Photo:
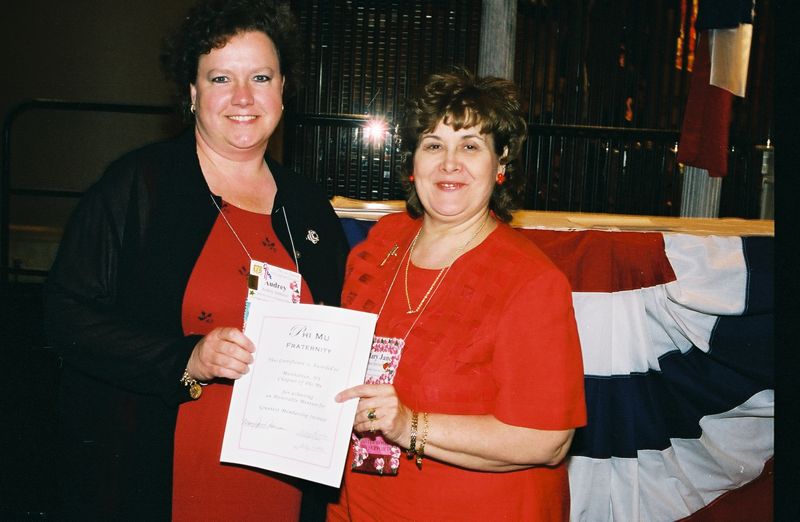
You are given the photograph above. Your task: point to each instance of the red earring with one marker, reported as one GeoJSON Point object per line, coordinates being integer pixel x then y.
{"type": "Point", "coordinates": [501, 178]}
{"type": "Point", "coordinates": [411, 178]}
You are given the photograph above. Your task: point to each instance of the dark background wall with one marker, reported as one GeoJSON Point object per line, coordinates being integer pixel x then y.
{"type": "Point", "coordinates": [84, 51]}
{"type": "Point", "coordinates": [90, 51]}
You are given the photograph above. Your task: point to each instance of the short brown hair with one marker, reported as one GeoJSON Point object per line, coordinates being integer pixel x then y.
{"type": "Point", "coordinates": [461, 100]}
{"type": "Point", "coordinates": [210, 24]}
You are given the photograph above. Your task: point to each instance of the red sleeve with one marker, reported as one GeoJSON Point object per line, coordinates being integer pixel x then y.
{"type": "Point", "coordinates": [537, 362]}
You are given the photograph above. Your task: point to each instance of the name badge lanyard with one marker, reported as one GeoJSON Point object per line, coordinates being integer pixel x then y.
{"type": "Point", "coordinates": [288, 229]}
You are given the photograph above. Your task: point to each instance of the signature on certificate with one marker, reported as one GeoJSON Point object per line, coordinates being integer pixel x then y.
{"type": "Point", "coordinates": [261, 425]}
{"type": "Point", "coordinates": [312, 435]}
{"type": "Point", "coordinates": [310, 448]}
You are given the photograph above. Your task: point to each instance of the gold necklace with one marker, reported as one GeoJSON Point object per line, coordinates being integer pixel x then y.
{"type": "Point", "coordinates": [442, 272]}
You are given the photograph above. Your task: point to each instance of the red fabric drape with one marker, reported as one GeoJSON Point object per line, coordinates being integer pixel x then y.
{"type": "Point", "coordinates": [707, 119]}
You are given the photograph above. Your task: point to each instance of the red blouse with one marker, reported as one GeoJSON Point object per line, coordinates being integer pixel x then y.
{"type": "Point", "coordinates": [498, 337]}
{"type": "Point", "coordinates": [203, 488]}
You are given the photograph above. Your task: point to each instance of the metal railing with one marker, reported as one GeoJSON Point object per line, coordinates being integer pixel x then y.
{"type": "Point", "coordinates": [6, 188]}
{"type": "Point", "coordinates": [585, 168]}
{"type": "Point", "coordinates": [576, 168]}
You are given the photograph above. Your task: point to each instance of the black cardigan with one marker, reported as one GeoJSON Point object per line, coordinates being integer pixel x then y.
{"type": "Point", "coordinates": [113, 311]}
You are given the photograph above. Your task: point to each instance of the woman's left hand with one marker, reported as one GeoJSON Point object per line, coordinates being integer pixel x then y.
{"type": "Point", "coordinates": [389, 415]}
{"type": "Point", "coordinates": [479, 442]}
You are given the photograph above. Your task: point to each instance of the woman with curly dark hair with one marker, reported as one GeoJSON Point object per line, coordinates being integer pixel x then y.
{"type": "Point", "coordinates": [146, 297]}
{"type": "Point", "coordinates": [489, 385]}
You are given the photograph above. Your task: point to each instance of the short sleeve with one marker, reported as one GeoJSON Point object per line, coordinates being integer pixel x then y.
{"type": "Point", "coordinates": [537, 361]}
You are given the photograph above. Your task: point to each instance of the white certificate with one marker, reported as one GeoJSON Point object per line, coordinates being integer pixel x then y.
{"type": "Point", "coordinates": [282, 415]}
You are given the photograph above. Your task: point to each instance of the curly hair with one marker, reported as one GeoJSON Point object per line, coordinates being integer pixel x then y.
{"type": "Point", "coordinates": [463, 100]}
{"type": "Point", "coordinates": [210, 24]}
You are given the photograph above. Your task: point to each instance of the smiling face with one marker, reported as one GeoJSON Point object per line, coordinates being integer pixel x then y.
{"type": "Point", "coordinates": [455, 172]}
{"type": "Point", "coordinates": [238, 95]}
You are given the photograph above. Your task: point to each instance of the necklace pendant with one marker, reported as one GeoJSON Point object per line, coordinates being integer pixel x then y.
{"type": "Point", "coordinates": [411, 312]}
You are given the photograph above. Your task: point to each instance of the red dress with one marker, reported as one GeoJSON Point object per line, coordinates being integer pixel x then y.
{"type": "Point", "coordinates": [203, 488]}
{"type": "Point", "coordinates": [498, 337]}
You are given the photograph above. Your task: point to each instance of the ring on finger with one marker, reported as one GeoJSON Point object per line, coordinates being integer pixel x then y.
{"type": "Point", "coordinates": [371, 414]}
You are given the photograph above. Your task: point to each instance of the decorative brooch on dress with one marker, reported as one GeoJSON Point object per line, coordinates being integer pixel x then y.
{"type": "Point", "coordinates": [392, 252]}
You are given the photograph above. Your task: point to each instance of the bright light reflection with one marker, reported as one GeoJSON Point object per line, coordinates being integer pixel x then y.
{"type": "Point", "coordinates": [374, 130]}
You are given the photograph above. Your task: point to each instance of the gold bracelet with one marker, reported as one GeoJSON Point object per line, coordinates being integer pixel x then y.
{"type": "Point", "coordinates": [421, 451]}
{"type": "Point", "coordinates": [195, 390]}
{"type": "Point", "coordinates": [412, 447]}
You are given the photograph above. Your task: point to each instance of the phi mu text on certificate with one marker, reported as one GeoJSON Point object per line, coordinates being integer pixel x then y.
{"type": "Point", "coordinates": [302, 331]}
{"type": "Point", "coordinates": [308, 347]}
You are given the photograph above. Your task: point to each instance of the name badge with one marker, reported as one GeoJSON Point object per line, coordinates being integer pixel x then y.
{"type": "Point", "coordinates": [273, 283]}
{"type": "Point", "coordinates": [372, 454]}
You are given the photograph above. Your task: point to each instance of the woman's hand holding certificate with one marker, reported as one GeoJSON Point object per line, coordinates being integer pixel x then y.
{"type": "Point", "coordinates": [283, 416]}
